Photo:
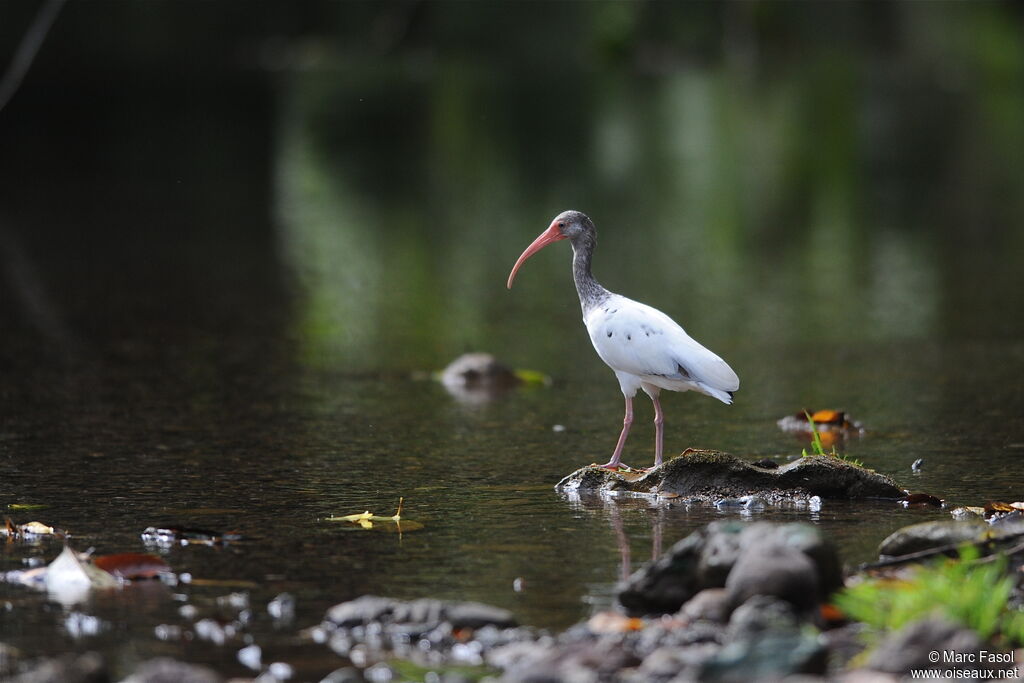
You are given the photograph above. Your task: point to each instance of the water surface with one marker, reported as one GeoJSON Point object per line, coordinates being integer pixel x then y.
{"type": "Point", "coordinates": [229, 339]}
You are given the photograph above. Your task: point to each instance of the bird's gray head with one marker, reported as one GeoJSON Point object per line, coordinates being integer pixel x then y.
{"type": "Point", "coordinates": [573, 224]}
{"type": "Point", "coordinates": [568, 225]}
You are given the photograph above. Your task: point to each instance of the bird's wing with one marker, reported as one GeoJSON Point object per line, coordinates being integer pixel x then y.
{"type": "Point", "coordinates": [635, 338]}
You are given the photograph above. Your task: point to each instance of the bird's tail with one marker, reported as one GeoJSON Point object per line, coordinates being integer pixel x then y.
{"type": "Point", "coordinates": [723, 396]}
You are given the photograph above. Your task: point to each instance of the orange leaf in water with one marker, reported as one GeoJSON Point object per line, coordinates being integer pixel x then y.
{"type": "Point", "coordinates": [829, 417]}
{"type": "Point", "coordinates": [829, 437]}
{"type": "Point", "coordinates": [132, 565]}
{"type": "Point", "coordinates": [832, 614]}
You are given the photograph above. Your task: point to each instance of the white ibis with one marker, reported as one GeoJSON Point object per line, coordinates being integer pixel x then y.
{"type": "Point", "coordinates": [646, 349]}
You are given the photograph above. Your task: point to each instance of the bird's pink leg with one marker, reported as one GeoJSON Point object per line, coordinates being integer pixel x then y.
{"type": "Point", "coordinates": [659, 430]}
{"type": "Point", "coordinates": [626, 422]}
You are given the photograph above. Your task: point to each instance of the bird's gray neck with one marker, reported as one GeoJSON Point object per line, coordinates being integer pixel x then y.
{"type": "Point", "coordinates": [590, 290]}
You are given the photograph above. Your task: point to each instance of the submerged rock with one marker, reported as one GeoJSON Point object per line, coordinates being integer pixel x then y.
{"type": "Point", "coordinates": [425, 612]}
{"type": "Point", "coordinates": [790, 561]}
{"type": "Point", "coordinates": [168, 670]}
{"type": "Point", "coordinates": [372, 630]}
{"type": "Point", "coordinates": [89, 667]}
{"type": "Point", "coordinates": [710, 476]}
{"type": "Point", "coordinates": [935, 534]}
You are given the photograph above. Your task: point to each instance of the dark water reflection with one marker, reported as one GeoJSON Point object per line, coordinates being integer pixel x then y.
{"type": "Point", "coordinates": [227, 341]}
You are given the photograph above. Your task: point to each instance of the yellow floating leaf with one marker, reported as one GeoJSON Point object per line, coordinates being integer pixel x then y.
{"type": "Point", "coordinates": [532, 377]}
{"type": "Point", "coordinates": [352, 518]}
{"type": "Point", "coordinates": [369, 521]}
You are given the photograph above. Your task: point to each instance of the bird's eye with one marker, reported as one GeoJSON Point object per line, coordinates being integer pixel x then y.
{"type": "Point", "coordinates": [561, 225]}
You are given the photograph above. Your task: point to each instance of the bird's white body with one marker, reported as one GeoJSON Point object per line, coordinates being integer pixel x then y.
{"type": "Point", "coordinates": [646, 347]}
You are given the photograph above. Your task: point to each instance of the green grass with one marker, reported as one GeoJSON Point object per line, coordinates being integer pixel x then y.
{"type": "Point", "coordinates": [975, 594]}
{"type": "Point", "coordinates": [818, 449]}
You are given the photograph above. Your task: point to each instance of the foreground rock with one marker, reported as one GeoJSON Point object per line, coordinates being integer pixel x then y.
{"type": "Point", "coordinates": [791, 562]}
{"type": "Point", "coordinates": [372, 629]}
{"type": "Point", "coordinates": [733, 601]}
{"type": "Point", "coordinates": [711, 476]}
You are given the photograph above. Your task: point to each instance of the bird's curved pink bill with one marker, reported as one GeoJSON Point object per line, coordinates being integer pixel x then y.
{"type": "Point", "coordinates": [552, 234]}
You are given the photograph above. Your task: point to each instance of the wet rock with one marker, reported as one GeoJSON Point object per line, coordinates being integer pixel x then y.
{"type": "Point", "coordinates": [666, 583]}
{"type": "Point", "coordinates": [1011, 524]}
{"type": "Point", "coordinates": [673, 663]}
{"type": "Point", "coordinates": [478, 615]}
{"type": "Point", "coordinates": [372, 630]}
{"type": "Point", "coordinates": [767, 464]}
{"type": "Point", "coordinates": [773, 569]}
{"type": "Point", "coordinates": [85, 668]}
{"type": "Point", "coordinates": [167, 670]}
{"type": "Point", "coordinates": [710, 476]}
{"type": "Point", "coordinates": [370, 609]}
{"type": "Point", "coordinates": [927, 535]}
{"type": "Point", "coordinates": [478, 369]}
{"type": "Point", "coordinates": [476, 378]}
{"type": "Point", "coordinates": [769, 658]}
{"type": "Point", "coordinates": [762, 615]}
{"type": "Point", "coordinates": [360, 611]}
{"type": "Point", "coordinates": [711, 604]}
{"type": "Point", "coordinates": [9, 657]}
{"type": "Point", "coordinates": [909, 648]}
{"type": "Point", "coordinates": [346, 674]}
{"type": "Point", "coordinates": [708, 557]}
{"type": "Point", "coordinates": [582, 662]}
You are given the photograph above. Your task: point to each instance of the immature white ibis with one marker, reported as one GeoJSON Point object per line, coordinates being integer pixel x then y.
{"type": "Point", "coordinates": [646, 349]}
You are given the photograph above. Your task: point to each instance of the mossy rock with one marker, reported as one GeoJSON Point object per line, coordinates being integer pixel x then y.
{"type": "Point", "coordinates": [712, 475]}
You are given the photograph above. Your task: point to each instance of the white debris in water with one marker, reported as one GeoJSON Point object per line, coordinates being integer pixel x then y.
{"type": "Point", "coordinates": [169, 632]}
{"type": "Point", "coordinates": [753, 503]}
{"type": "Point", "coordinates": [814, 503]}
{"type": "Point", "coordinates": [282, 608]}
{"type": "Point", "coordinates": [558, 428]}
{"type": "Point", "coordinates": [78, 625]}
{"type": "Point", "coordinates": [251, 656]}
{"type": "Point", "coordinates": [281, 671]}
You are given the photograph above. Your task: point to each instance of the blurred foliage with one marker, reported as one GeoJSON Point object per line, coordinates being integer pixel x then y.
{"type": "Point", "coordinates": [970, 593]}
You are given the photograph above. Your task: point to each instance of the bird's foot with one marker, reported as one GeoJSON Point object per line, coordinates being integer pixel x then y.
{"type": "Point", "coordinates": [615, 466]}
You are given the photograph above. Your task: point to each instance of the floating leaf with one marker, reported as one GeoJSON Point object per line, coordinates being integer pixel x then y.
{"type": "Point", "coordinates": [132, 565]}
{"type": "Point", "coordinates": [832, 417]}
{"type": "Point", "coordinates": [26, 506]}
{"type": "Point", "coordinates": [368, 520]}
{"type": "Point", "coordinates": [532, 377]}
{"type": "Point", "coordinates": [361, 517]}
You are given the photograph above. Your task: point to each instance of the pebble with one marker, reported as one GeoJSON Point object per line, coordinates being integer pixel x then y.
{"type": "Point", "coordinates": [251, 657]}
